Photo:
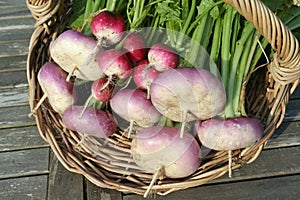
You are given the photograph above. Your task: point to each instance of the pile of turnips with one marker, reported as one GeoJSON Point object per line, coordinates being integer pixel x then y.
{"type": "Point", "coordinates": [170, 110]}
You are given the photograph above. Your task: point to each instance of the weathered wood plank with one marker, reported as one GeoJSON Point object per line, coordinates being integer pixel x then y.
{"type": "Point", "coordinates": [6, 3]}
{"type": "Point", "coordinates": [14, 11]}
{"type": "Point", "coordinates": [96, 193]}
{"type": "Point", "coordinates": [12, 63]}
{"type": "Point", "coordinates": [13, 78]}
{"type": "Point", "coordinates": [292, 110]}
{"type": "Point", "coordinates": [20, 138]}
{"type": "Point", "coordinates": [15, 48]}
{"type": "Point", "coordinates": [288, 134]}
{"type": "Point", "coordinates": [13, 23]}
{"type": "Point", "coordinates": [24, 163]}
{"type": "Point", "coordinates": [271, 163]}
{"type": "Point", "coordinates": [13, 96]}
{"type": "Point", "coordinates": [285, 187]}
{"type": "Point", "coordinates": [64, 184]}
{"type": "Point", "coordinates": [25, 188]}
{"type": "Point", "coordinates": [296, 94]}
{"type": "Point", "coordinates": [16, 28]}
{"type": "Point", "coordinates": [19, 33]}
{"type": "Point", "coordinates": [15, 117]}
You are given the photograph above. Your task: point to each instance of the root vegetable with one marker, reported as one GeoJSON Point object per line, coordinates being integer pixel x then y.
{"type": "Point", "coordinates": [144, 75]}
{"type": "Point", "coordinates": [93, 122]}
{"type": "Point", "coordinates": [100, 93]}
{"type": "Point", "coordinates": [229, 134]}
{"type": "Point", "coordinates": [135, 47]}
{"type": "Point", "coordinates": [60, 93]}
{"type": "Point", "coordinates": [114, 62]}
{"type": "Point", "coordinates": [108, 28]}
{"type": "Point", "coordinates": [133, 106]}
{"type": "Point", "coordinates": [156, 148]}
{"type": "Point", "coordinates": [187, 94]}
{"type": "Point", "coordinates": [162, 57]}
{"type": "Point", "coordinates": [76, 54]}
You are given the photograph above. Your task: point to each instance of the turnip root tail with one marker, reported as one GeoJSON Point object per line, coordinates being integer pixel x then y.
{"type": "Point", "coordinates": [130, 128]}
{"type": "Point", "coordinates": [86, 104]}
{"type": "Point", "coordinates": [154, 178]}
{"type": "Point", "coordinates": [109, 80]}
{"type": "Point", "coordinates": [38, 105]}
{"type": "Point", "coordinates": [184, 113]}
{"type": "Point", "coordinates": [71, 74]}
{"type": "Point", "coordinates": [229, 163]}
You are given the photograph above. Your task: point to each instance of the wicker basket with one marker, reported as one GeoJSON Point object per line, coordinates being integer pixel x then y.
{"type": "Point", "coordinates": [107, 163]}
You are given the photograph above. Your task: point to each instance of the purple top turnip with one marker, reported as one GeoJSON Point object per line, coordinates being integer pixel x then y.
{"type": "Point", "coordinates": [60, 93]}
{"type": "Point", "coordinates": [93, 122]}
{"type": "Point", "coordinates": [133, 106]}
{"type": "Point", "coordinates": [229, 134]}
{"type": "Point", "coordinates": [162, 57]}
{"type": "Point", "coordinates": [108, 28]}
{"type": "Point", "coordinates": [187, 94]}
{"type": "Point", "coordinates": [76, 54]}
{"type": "Point", "coordinates": [135, 47]}
{"type": "Point", "coordinates": [114, 62]}
{"type": "Point", "coordinates": [157, 148]}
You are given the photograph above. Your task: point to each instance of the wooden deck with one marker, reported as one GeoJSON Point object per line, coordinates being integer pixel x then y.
{"type": "Point", "coordinates": [28, 169]}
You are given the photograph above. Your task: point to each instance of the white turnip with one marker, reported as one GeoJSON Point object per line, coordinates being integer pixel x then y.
{"type": "Point", "coordinates": [108, 28]}
{"type": "Point", "coordinates": [76, 54]}
{"type": "Point", "coordinates": [93, 122]}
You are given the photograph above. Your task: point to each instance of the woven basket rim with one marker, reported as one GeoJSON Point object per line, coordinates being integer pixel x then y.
{"type": "Point", "coordinates": [284, 72]}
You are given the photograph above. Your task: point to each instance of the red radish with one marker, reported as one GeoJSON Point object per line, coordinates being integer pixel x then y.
{"type": "Point", "coordinates": [133, 106]}
{"type": "Point", "coordinates": [187, 94]}
{"type": "Point", "coordinates": [144, 75]}
{"type": "Point", "coordinates": [229, 134]}
{"type": "Point", "coordinates": [135, 47]}
{"type": "Point", "coordinates": [100, 93]}
{"type": "Point", "coordinates": [60, 93]}
{"type": "Point", "coordinates": [161, 148]}
{"type": "Point", "coordinates": [93, 122]}
{"type": "Point", "coordinates": [114, 62]}
{"type": "Point", "coordinates": [108, 28]}
{"type": "Point", "coordinates": [76, 54]}
{"type": "Point", "coordinates": [162, 57]}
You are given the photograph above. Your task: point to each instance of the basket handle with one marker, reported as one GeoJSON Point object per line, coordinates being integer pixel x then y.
{"type": "Point", "coordinates": [285, 66]}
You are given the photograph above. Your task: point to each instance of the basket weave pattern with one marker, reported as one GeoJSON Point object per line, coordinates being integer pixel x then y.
{"type": "Point", "coordinates": [107, 163]}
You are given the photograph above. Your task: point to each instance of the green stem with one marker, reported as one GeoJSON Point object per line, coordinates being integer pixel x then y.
{"type": "Point", "coordinates": [194, 47]}
{"type": "Point", "coordinates": [187, 22]}
{"type": "Point", "coordinates": [111, 5]}
{"type": "Point", "coordinates": [96, 6]}
{"type": "Point", "coordinates": [216, 44]}
{"type": "Point", "coordinates": [230, 111]}
{"type": "Point", "coordinates": [240, 74]}
{"type": "Point", "coordinates": [185, 9]}
{"type": "Point", "coordinates": [225, 48]}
